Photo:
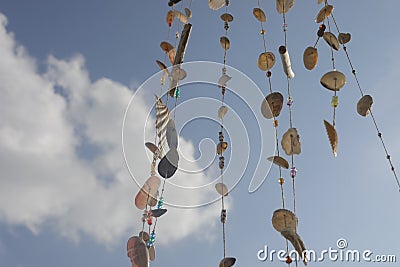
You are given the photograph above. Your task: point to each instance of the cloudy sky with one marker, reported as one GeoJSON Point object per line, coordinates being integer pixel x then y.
{"type": "Point", "coordinates": [68, 70]}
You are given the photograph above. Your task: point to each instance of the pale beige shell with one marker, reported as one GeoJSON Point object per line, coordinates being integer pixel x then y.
{"type": "Point", "coordinates": [310, 57]}
{"type": "Point", "coordinates": [225, 43]}
{"type": "Point", "coordinates": [259, 14]}
{"type": "Point", "coordinates": [333, 80]}
{"type": "Point", "coordinates": [364, 105]}
{"type": "Point", "coordinates": [291, 142]}
{"type": "Point", "coordinates": [152, 253]}
{"type": "Point", "coordinates": [283, 6]}
{"type": "Point", "coordinates": [137, 252]}
{"type": "Point", "coordinates": [281, 162]}
{"type": "Point", "coordinates": [182, 17]}
{"type": "Point", "coordinates": [283, 218]}
{"type": "Point", "coordinates": [324, 13]}
{"type": "Point", "coordinates": [216, 4]}
{"type": "Point", "coordinates": [331, 40]}
{"type": "Point", "coordinates": [149, 188]}
{"type": "Point", "coordinates": [344, 38]}
{"type": "Point", "coordinates": [188, 13]}
{"type": "Point", "coordinates": [223, 80]}
{"type": "Point", "coordinates": [222, 112]}
{"type": "Point", "coordinates": [266, 61]}
{"type": "Point", "coordinates": [333, 137]}
{"type": "Point", "coordinates": [226, 17]}
{"type": "Point", "coordinates": [222, 189]}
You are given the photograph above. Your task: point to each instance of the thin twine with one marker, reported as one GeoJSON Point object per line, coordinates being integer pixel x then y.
{"type": "Point", "coordinates": [353, 71]}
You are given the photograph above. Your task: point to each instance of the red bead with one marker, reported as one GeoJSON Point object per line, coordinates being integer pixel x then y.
{"type": "Point", "coordinates": [288, 260]}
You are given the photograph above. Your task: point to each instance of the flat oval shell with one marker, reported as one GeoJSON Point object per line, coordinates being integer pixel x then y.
{"type": "Point", "coordinates": [324, 13]}
{"type": "Point", "coordinates": [364, 105]}
{"type": "Point", "coordinates": [333, 137]}
{"type": "Point", "coordinates": [266, 61]}
{"type": "Point", "coordinates": [137, 252]}
{"type": "Point", "coordinates": [225, 43]}
{"type": "Point", "coordinates": [283, 6]}
{"type": "Point", "coordinates": [221, 147]}
{"type": "Point", "coordinates": [145, 236]}
{"type": "Point", "coordinates": [259, 14]}
{"type": "Point", "coordinates": [222, 112]}
{"type": "Point", "coordinates": [275, 101]}
{"type": "Point", "coordinates": [222, 189]}
{"type": "Point", "coordinates": [188, 13]}
{"type": "Point", "coordinates": [158, 212]}
{"type": "Point", "coordinates": [227, 17]}
{"type": "Point", "coordinates": [331, 40]}
{"type": "Point", "coordinates": [153, 148]}
{"type": "Point", "coordinates": [172, 55]}
{"type": "Point", "coordinates": [291, 142]}
{"type": "Point", "coordinates": [216, 4]}
{"type": "Point", "coordinates": [284, 219]}
{"type": "Point", "coordinates": [178, 74]}
{"type": "Point", "coordinates": [344, 38]}
{"type": "Point", "coordinates": [181, 17]}
{"type": "Point", "coordinates": [161, 65]}
{"type": "Point", "coordinates": [281, 162]}
{"type": "Point", "coordinates": [223, 80]}
{"type": "Point", "coordinates": [265, 109]}
{"type": "Point", "coordinates": [152, 253]}
{"type": "Point", "coordinates": [310, 57]}
{"type": "Point", "coordinates": [166, 47]}
{"type": "Point", "coordinates": [152, 200]}
{"type": "Point", "coordinates": [149, 189]}
{"type": "Point", "coordinates": [227, 262]}
{"type": "Point", "coordinates": [333, 80]}
{"type": "Point", "coordinates": [172, 135]}
{"type": "Point", "coordinates": [168, 164]}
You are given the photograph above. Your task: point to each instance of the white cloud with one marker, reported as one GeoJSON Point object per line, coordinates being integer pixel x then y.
{"type": "Point", "coordinates": [44, 178]}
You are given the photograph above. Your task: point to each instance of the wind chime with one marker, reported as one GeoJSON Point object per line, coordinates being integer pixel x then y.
{"type": "Point", "coordinates": [283, 220]}
{"type": "Point", "coordinates": [140, 249]}
{"type": "Point", "coordinates": [335, 80]}
{"type": "Point", "coordinates": [222, 145]}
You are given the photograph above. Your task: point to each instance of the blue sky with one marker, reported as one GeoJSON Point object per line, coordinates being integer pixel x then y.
{"type": "Point", "coordinates": [67, 73]}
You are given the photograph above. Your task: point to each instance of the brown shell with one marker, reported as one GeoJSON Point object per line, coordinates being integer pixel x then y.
{"type": "Point", "coordinates": [283, 218]}
{"type": "Point", "coordinates": [166, 47]}
{"type": "Point", "coordinates": [344, 38]}
{"type": "Point", "coordinates": [227, 262]}
{"type": "Point", "coordinates": [145, 236]}
{"type": "Point", "coordinates": [281, 162]}
{"type": "Point", "coordinates": [324, 13]}
{"type": "Point", "coordinates": [333, 80]}
{"type": "Point", "coordinates": [221, 147]}
{"type": "Point", "coordinates": [259, 14]}
{"type": "Point", "coordinates": [364, 105]}
{"type": "Point", "coordinates": [153, 148]}
{"type": "Point", "coordinates": [333, 137]}
{"type": "Point", "coordinates": [152, 253]}
{"type": "Point", "coordinates": [283, 6]}
{"type": "Point", "coordinates": [331, 40]}
{"type": "Point", "coordinates": [310, 57]}
{"type": "Point", "coordinates": [266, 61]}
{"type": "Point", "coordinates": [137, 252]}
{"type": "Point", "coordinates": [227, 17]}
{"type": "Point", "coordinates": [149, 188]}
{"type": "Point", "coordinates": [225, 43]}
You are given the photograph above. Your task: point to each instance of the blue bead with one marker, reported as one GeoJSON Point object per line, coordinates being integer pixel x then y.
{"type": "Point", "coordinates": [177, 92]}
{"type": "Point", "coordinates": [293, 171]}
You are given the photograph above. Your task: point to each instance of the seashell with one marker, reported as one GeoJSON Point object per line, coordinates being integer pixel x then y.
{"type": "Point", "coordinates": [331, 40]}
{"type": "Point", "coordinates": [137, 252]}
{"type": "Point", "coordinates": [216, 4]}
{"type": "Point", "coordinates": [310, 57]}
{"type": "Point", "coordinates": [333, 136]}
{"type": "Point", "coordinates": [222, 112]}
{"type": "Point", "coordinates": [333, 80]}
{"type": "Point", "coordinates": [266, 61]}
{"type": "Point", "coordinates": [324, 13]}
{"type": "Point", "coordinates": [158, 212]}
{"type": "Point", "coordinates": [283, 219]}
{"type": "Point", "coordinates": [168, 164]}
{"type": "Point", "coordinates": [225, 43]}
{"type": "Point", "coordinates": [281, 162]}
{"type": "Point", "coordinates": [226, 17]}
{"type": "Point", "coordinates": [222, 189]}
{"type": "Point", "coordinates": [221, 147]}
{"type": "Point", "coordinates": [291, 142]}
{"type": "Point", "coordinates": [172, 135]}
{"type": "Point", "coordinates": [344, 38]}
{"type": "Point", "coordinates": [259, 14]}
{"type": "Point", "coordinates": [149, 189]}
{"type": "Point", "coordinates": [227, 262]}
{"type": "Point", "coordinates": [364, 105]}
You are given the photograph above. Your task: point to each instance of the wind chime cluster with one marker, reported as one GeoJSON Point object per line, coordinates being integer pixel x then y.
{"type": "Point", "coordinates": [283, 220]}
{"type": "Point", "coordinates": [334, 80]}
{"type": "Point", "coordinates": [222, 145]}
{"type": "Point", "coordinates": [149, 199]}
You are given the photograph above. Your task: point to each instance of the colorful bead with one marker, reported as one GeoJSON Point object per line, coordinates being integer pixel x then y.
{"type": "Point", "coordinates": [226, 26]}
{"type": "Point", "coordinates": [221, 162]}
{"type": "Point", "coordinates": [290, 101]}
{"type": "Point", "coordinates": [262, 31]}
{"type": "Point", "coordinates": [293, 171]}
{"type": "Point", "coordinates": [321, 30]}
{"type": "Point", "coordinates": [288, 260]}
{"type": "Point", "coordinates": [335, 101]}
{"type": "Point", "coordinates": [177, 92]}
{"type": "Point", "coordinates": [223, 216]}
{"type": "Point", "coordinates": [281, 181]}
{"type": "Point", "coordinates": [221, 136]}
{"type": "Point", "coordinates": [160, 203]}
{"type": "Point", "coordinates": [276, 123]}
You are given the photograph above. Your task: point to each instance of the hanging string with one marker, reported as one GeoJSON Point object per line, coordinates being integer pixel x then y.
{"type": "Point", "coordinates": [353, 71]}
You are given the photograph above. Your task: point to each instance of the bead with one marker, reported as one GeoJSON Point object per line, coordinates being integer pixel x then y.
{"type": "Point", "coordinates": [262, 32]}
{"type": "Point", "coordinates": [293, 171]}
{"type": "Point", "coordinates": [223, 216]}
{"type": "Point", "coordinates": [335, 101]}
{"type": "Point", "coordinates": [276, 123]}
{"type": "Point", "coordinates": [379, 135]}
{"type": "Point", "coordinates": [268, 74]}
{"type": "Point", "coordinates": [223, 89]}
{"type": "Point", "coordinates": [281, 181]}
{"type": "Point", "coordinates": [288, 260]}
{"type": "Point", "coordinates": [160, 203]}
{"type": "Point", "coordinates": [152, 236]}
{"type": "Point", "coordinates": [144, 217]}
{"type": "Point", "coordinates": [221, 162]}
{"type": "Point", "coordinates": [177, 35]}
{"type": "Point", "coordinates": [321, 30]}
{"type": "Point", "coordinates": [227, 2]}
{"type": "Point", "coordinates": [177, 92]}
{"type": "Point", "coordinates": [226, 26]}
{"type": "Point", "coordinates": [290, 101]}
{"type": "Point", "coordinates": [221, 136]}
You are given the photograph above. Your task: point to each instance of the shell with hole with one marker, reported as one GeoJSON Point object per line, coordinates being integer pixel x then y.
{"type": "Point", "coordinates": [333, 80]}
{"type": "Point", "coordinates": [364, 105]}
{"type": "Point", "coordinates": [225, 43]}
{"type": "Point", "coordinates": [137, 252]}
{"type": "Point", "coordinates": [168, 164]}
{"type": "Point", "coordinates": [324, 13]}
{"type": "Point", "coordinates": [291, 142]}
{"type": "Point", "coordinates": [344, 38]}
{"type": "Point", "coordinates": [226, 17]}
{"type": "Point", "coordinates": [266, 61]}
{"type": "Point", "coordinates": [310, 57]}
{"type": "Point", "coordinates": [272, 105]}
{"type": "Point", "coordinates": [149, 189]}
{"type": "Point", "coordinates": [331, 40]}
{"type": "Point", "coordinates": [283, 218]}
{"type": "Point", "coordinates": [222, 189]}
